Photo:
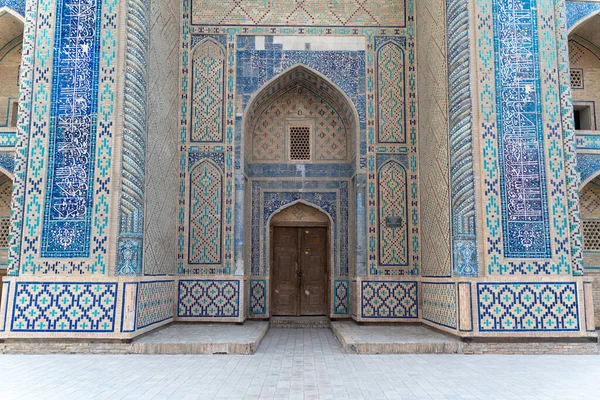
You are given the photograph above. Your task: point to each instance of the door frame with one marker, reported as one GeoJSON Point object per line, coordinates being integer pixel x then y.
{"type": "Point", "coordinates": [300, 224]}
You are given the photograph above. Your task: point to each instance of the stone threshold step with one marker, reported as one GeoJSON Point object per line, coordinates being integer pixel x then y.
{"type": "Point", "coordinates": [300, 322]}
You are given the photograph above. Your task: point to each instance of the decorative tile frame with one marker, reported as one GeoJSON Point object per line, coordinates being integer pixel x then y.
{"type": "Point", "coordinates": [90, 242]}
{"type": "Point", "coordinates": [552, 254]}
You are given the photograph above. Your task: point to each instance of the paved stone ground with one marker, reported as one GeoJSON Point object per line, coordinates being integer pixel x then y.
{"type": "Point", "coordinates": [299, 363]}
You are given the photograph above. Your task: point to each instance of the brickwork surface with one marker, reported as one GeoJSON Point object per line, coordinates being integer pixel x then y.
{"type": "Point", "coordinates": [300, 363]}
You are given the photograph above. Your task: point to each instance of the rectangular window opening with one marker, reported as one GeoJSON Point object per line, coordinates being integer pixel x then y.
{"type": "Point", "coordinates": [300, 143]}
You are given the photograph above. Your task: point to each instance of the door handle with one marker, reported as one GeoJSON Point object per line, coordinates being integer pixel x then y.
{"type": "Point", "coordinates": [299, 272]}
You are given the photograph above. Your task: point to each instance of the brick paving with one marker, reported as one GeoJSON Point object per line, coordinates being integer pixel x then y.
{"type": "Point", "coordinates": [299, 364]}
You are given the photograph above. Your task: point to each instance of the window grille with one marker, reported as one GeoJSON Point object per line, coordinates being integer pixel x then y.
{"type": "Point", "coordinates": [591, 234]}
{"type": "Point", "coordinates": [4, 226]}
{"type": "Point", "coordinates": [577, 79]}
{"type": "Point", "coordinates": [300, 143]}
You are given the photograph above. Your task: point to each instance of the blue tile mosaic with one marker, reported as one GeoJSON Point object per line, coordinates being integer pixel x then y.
{"type": "Point", "coordinates": [257, 67]}
{"type": "Point", "coordinates": [15, 5]}
{"type": "Point", "coordinates": [526, 228]}
{"type": "Point", "coordinates": [576, 10]}
{"type": "Point", "coordinates": [69, 194]}
{"type": "Point", "coordinates": [7, 161]}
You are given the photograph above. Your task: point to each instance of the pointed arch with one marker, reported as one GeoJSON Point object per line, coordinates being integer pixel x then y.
{"type": "Point", "coordinates": [391, 102]}
{"type": "Point", "coordinates": [393, 214]}
{"type": "Point", "coordinates": [314, 83]}
{"type": "Point", "coordinates": [205, 214]}
{"type": "Point", "coordinates": [208, 92]}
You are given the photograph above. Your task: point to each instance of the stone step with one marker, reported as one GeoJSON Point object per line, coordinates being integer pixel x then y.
{"type": "Point", "coordinates": [203, 338]}
{"type": "Point", "coordinates": [393, 339]}
{"type": "Point", "coordinates": [300, 322]}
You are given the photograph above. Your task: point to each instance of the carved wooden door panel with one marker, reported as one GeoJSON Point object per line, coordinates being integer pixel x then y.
{"type": "Point", "coordinates": [313, 262]}
{"type": "Point", "coordinates": [284, 293]}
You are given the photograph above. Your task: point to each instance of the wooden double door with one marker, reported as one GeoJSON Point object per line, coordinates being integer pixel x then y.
{"type": "Point", "coordinates": [299, 271]}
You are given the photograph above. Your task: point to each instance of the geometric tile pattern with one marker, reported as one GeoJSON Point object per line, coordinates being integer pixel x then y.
{"type": "Point", "coordinates": [209, 298]}
{"type": "Point", "coordinates": [390, 94]}
{"type": "Point", "coordinates": [73, 123]}
{"type": "Point", "coordinates": [393, 215]}
{"type": "Point", "coordinates": [64, 307]}
{"type": "Point", "coordinates": [258, 297]}
{"type": "Point", "coordinates": [577, 10]}
{"type": "Point", "coordinates": [155, 302]}
{"type": "Point", "coordinates": [439, 303]}
{"type": "Point", "coordinates": [207, 92]}
{"type": "Point", "coordinates": [521, 307]}
{"type": "Point", "coordinates": [342, 297]}
{"type": "Point", "coordinates": [205, 214]}
{"type": "Point", "coordinates": [389, 299]}
{"type": "Point", "coordinates": [304, 106]}
{"type": "Point", "coordinates": [311, 12]}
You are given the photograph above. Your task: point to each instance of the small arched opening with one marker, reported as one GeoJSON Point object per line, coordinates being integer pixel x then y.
{"type": "Point", "coordinates": [299, 261]}
{"type": "Point", "coordinates": [589, 198]}
{"type": "Point", "coordinates": [584, 58]}
{"type": "Point", "coordinates": [11, 46]}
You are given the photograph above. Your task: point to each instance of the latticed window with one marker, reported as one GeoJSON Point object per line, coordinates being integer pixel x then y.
{"type": "Point", "coordinates": [577, 79]}
{"type": "Point", "coordinates": [300, 143]}
{"type": "Point", "coordinates": [4, 225]}
{"type": "Point", "coordinates": [591, 234]}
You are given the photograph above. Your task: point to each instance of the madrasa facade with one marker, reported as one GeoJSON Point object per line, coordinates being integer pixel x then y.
{"type": "Point", "coordinates": [422, 161]}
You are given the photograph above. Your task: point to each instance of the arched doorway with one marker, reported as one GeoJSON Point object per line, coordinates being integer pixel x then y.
{"type": "Point", "coordinates": [299, 248]}
{"type": "Point", "coordinates": [299, 145]}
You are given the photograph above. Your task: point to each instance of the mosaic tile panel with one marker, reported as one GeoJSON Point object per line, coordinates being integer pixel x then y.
{"type": "Point", "coordinates": [314, 12]}
{"type": "Point", "coordinates": [588, 165]}
{"type": "Point", "coordinates": [523, 307]}
{"type": "Point", "coordinates": [208, 87]}
{"type": "Point", "coordinates": [389, 299]}
{"type": "Point", "coordinates": [439, 303]}
{"type": "Point", "coordinates": [390, 94]}
{"type": "Point", "coordinates": [155, 302]}
{"type": "Point", "coordinates": [15, 5]}
{"type": "Point", "coordinates": [8, 139]}
{"type": "Point", "coordinates": [258, 297]}
{"type": "Point", "coordinates": [341, 301]}
{"type": "Point", "coordinates": [393, 215]}
{"type": "Point", "coordinates": [75, 133]}
{"type": "Point", "coordinates": [527, 228]}
{"type": "Point", "coordinates": [577, 10]}
{"type": "Point", "coordinates": [209, 298]}
{"type": "Point", "coordinates": [64, 307]}
{"type": "Point", "coordinates": [206, 191]}
{"type": "Point", "coordinates": [570, 162]}
{"type": "Point", "coordinates": [7, 161]}
{"type": "Point", "coordinates": [73, 122]}
{"type": "Point", "coordinates": [22, 145]}
{"type": "Point", "coordinates": [520, 133]}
